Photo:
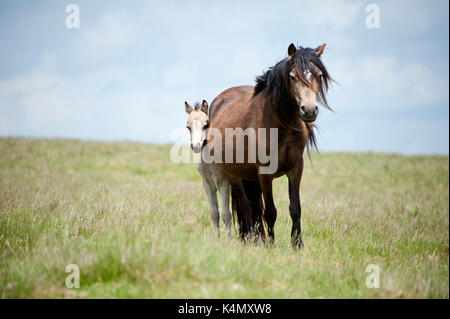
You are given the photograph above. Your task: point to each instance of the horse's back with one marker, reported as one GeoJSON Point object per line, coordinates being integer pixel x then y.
{"type": "Point", "coordinates": [234, 108]}
{"type": "Point", "coordinates": [228, 96]}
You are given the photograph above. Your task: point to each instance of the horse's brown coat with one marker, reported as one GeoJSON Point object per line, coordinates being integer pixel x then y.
{"type": "Point", "coordinates": [270, 105]}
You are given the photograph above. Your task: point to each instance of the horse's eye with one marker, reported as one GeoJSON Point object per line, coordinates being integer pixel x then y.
{"type": "Point", "coordinates": [206, 126]}
{"type": "Point", "coordinates": [188, 128]}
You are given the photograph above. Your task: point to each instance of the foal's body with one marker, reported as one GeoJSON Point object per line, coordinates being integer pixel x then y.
{"type": "Point", "coordinates": [213, 179]}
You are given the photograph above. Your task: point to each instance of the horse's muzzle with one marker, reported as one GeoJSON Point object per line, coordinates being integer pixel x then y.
{"type": "Point", "coordinates": [309, 114]}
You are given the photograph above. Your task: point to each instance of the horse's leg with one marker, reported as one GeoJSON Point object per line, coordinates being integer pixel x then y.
{"type": "Point", "coordinates": [254, 195]}
{"type": "Point", "coordinates": [295, 209]}
{"type": "Point", "coordinates": [270, 211]}
{"type": "Point", "coordinates": [210, 191]}
{"type": "Point", "coordinates": [244, 209]}
{"type": "Point", "coordinates": [226, 214]}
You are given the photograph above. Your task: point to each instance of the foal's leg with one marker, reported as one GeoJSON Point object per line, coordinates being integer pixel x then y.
{"type": "Point", "coordinates": [226, 214]}
{"type": "Point", "coordinates": [295, 209]}
{"type": "Point", "coordinates": [270, 211]}
{"type": "Point", "coordinates": [210, 191]}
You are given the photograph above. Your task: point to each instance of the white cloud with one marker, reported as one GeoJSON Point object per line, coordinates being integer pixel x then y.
{"type": "Point", "coordinates": [131, 69]}
{"type": "Point", "coordinates": [110, 36]}
{"type": "Point", "coordinates": [384, 82]}
{"type": "Point", "coordinates": [413, 16]}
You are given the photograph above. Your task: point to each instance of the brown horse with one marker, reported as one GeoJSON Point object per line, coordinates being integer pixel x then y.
{"type": "Point", "coordinates": [283, 99]}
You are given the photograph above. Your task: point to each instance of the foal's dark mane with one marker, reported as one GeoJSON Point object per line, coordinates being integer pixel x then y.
{"type": "Point", "coordinates": [274, 83]}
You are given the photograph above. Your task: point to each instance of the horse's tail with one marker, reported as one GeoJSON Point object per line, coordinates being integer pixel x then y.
{"type": "Point", "coordinates": [254, 194]}
{"type": "Point", "coordinates": [234, 211]}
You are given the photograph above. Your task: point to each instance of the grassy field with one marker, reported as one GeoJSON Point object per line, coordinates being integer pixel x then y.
{"type": "Point", "coordinates": [138, 226]}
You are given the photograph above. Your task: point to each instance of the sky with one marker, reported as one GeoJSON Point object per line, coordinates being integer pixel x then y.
{"type": "Point", "coordinates": [125, 73]}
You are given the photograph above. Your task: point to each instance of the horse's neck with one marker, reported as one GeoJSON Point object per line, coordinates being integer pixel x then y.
{"type": "Point", "coordinates": [272, 113]}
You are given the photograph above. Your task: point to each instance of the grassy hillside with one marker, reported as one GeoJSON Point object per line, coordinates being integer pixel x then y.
{"type": "Point", "coordinates": [138, 226]}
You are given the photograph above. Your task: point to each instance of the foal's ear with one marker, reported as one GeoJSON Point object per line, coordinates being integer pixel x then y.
{"type": "Point", "coordinates": [188, 107]}
{"type": "Point", "coordinates": [319, 50]}
{"type": "Point", "coordinates": [205, 106]}
{"type": "Point", "coordinates": [292, 49]}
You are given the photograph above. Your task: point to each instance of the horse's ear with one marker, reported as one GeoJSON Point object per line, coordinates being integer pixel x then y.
{"type": "Point", "coordinates": [319, 50]}
{"type": "Point", "coordinates": [188, 107]}
{"type": "Point", "coordinates": [292, 49]}
{"type": "Point", "coordinates": [205, 106]}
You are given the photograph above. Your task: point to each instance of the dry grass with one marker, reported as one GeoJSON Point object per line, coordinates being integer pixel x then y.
{"type": "Point", "coordinates": [138, 226]}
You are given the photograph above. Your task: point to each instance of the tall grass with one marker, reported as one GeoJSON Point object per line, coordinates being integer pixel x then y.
{"type": "Point", "coordinates": [138, 226]}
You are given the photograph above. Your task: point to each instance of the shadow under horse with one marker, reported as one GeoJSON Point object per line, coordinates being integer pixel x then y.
{"type": "Point", "coordinates": [285, 100]}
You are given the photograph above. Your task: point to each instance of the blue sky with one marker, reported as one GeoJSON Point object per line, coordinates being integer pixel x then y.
{"type": "Point", "coordinates": [126, 72]}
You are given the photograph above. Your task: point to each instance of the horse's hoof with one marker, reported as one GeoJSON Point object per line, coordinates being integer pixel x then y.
{"type": "Point", "coordinates": [298, 245]}
{"type": "Point", "coordinates": [270, 242]}
{"type": "Point", "coordinates": [259, 242]}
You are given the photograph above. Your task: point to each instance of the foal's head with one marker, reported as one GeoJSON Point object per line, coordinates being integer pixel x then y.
{"type": "Point", "coordinates": [197, 124]}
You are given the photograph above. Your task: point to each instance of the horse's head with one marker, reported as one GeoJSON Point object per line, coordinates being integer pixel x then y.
{"type": "Point", "coordinates": [306, 79]}
{"type": "Point", "coordinates": [197, 124]}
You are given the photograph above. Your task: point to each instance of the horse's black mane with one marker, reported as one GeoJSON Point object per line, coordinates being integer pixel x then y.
{"type": "Point", "coordinates": [274, 82]}
{"type": "Point", "coordinates": [274, 78]}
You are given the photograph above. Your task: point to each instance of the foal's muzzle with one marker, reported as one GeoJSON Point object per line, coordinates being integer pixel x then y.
{"type": "Point", "coordinates": [309, 114]}
{"type": "Point", "coordinates": [197, 147]}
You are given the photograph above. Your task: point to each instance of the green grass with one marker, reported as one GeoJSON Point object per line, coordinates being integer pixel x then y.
{"type": "Point", "coordinates": [138, 226]}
